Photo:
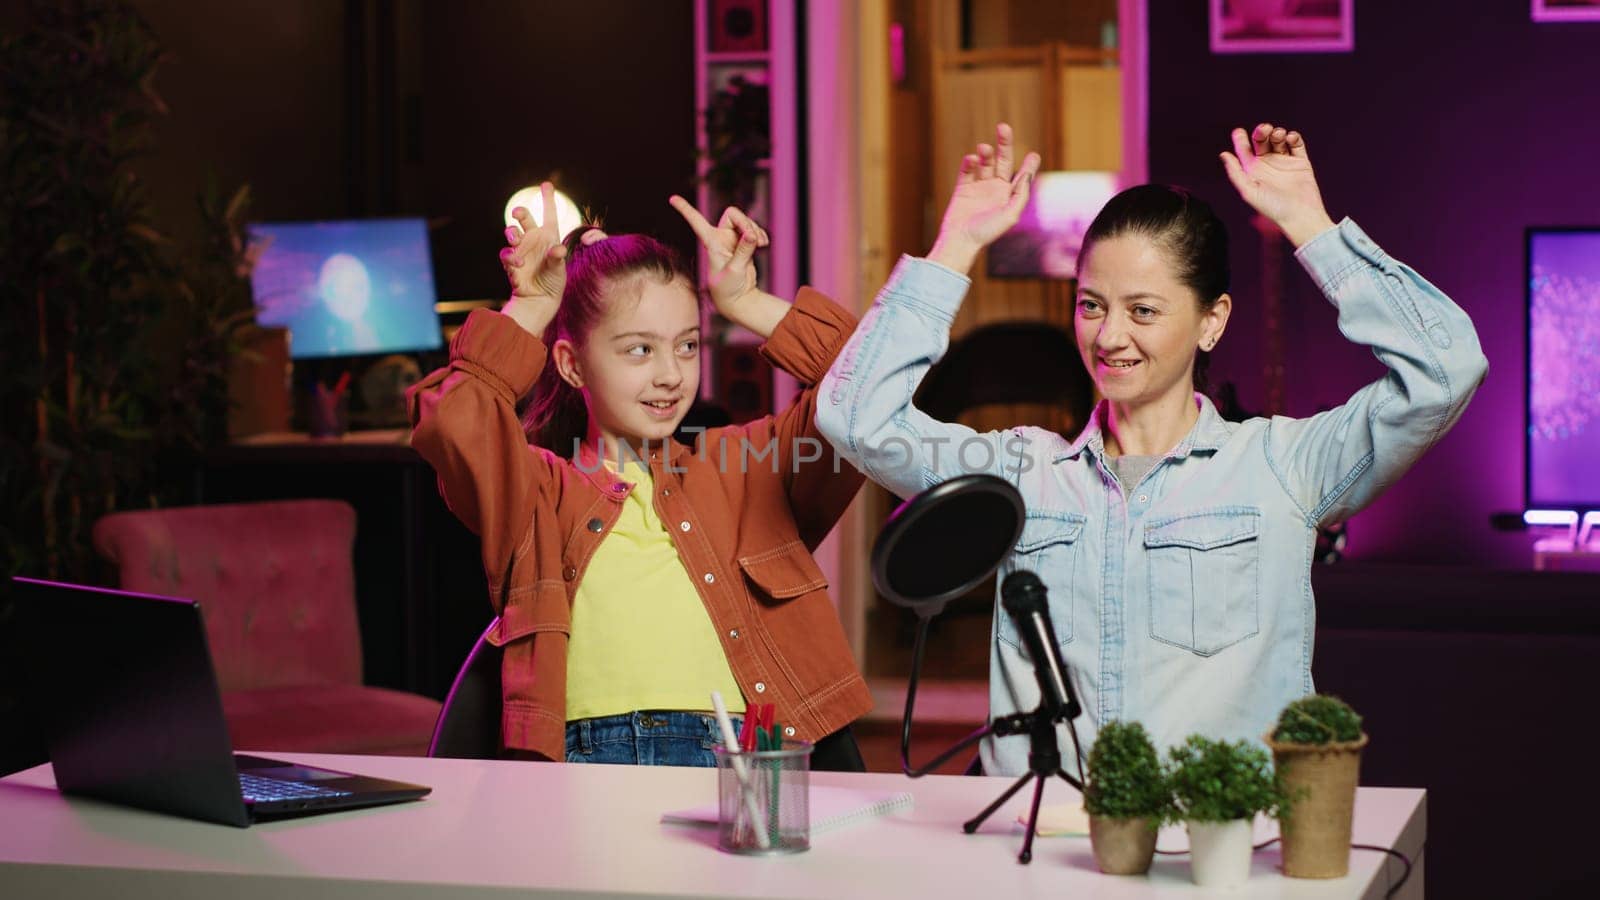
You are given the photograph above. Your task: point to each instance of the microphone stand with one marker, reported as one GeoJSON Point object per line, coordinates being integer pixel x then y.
{"type": "Point", "coordinates": [1044, 752]}
{"type": "Point", "coordinates": [1044, 761]}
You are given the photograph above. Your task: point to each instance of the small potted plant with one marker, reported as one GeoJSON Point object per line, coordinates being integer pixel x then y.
{"type": "Point", "coordinates": [1219, 787]}
{"type": "Point", "coordinates": [1126, 798]}
{"type": "Point", "coordinates": [1316, 747]}
{"type": "Point", "coordinates": [738, 140]}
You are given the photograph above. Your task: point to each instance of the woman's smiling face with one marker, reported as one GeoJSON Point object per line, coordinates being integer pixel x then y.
{"type": "Point", "coordinates": [1138, 327]}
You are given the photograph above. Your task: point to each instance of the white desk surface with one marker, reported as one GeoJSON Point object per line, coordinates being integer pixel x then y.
{"type": "Point", "coordinates": [504, 829]}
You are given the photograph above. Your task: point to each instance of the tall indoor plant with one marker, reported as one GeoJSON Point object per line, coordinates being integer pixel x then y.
{"type": "Point", "coordinates": [1316, 747]}
{"type": "Point", "coordinates": [116, 338]}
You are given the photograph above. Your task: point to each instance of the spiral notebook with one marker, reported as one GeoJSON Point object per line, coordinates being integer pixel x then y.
{"type": "Point", "coordinates": [831, 808]}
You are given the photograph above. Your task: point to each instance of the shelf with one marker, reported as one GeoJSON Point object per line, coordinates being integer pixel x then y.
{"type": "Point", "coordinates": [777, 201]}
{"type": "Point", "coordinates": [451, 307]}
{"type": "Point", "coordinates": [741, 57]}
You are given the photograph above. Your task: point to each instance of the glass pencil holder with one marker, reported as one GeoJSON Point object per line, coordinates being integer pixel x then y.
{"type": "Point", "coordinates": [763, 800]}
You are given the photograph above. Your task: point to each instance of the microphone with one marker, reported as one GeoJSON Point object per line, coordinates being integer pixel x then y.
{"type": "Point", "coordinates": [1023, 596]}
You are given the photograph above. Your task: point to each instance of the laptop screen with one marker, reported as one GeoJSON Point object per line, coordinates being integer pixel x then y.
{"type": "Point", "coordinates": [122, 688]}
{"type": "Point", "coordinates": [129, 706]}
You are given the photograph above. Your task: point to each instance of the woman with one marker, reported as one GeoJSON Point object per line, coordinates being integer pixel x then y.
{"type": "Point", "coordinates": [1176, 546]}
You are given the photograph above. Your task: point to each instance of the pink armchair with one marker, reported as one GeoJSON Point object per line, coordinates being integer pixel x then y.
{"type": "Point", "coordinates": [277, 590]}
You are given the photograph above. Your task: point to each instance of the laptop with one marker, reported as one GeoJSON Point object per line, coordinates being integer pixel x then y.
{"type": "Point", "coordinates": [122, 687]}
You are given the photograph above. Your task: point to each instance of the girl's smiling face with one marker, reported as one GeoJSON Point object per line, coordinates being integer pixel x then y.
{"type": "Point", "coordinates": [639, 369]}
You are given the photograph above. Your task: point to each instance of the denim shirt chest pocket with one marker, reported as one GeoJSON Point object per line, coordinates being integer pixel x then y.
{"type": "Point", "coordinates": [1204, 577]}
{"type": "Point", "coordinates": [1048, 548]}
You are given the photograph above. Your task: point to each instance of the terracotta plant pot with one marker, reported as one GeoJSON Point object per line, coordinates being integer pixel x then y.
{"type": "Point", "coordinates": [1219, 853]}
{"type": "Point", "coordinates": [1322, 778]}
{"type": "Point", "coordinates": [1122, 846]}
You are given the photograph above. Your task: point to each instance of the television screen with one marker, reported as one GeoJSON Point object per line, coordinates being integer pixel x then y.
{"type": "Point", "coordinates": [347, 288]}
{"type": "Point", "coordinates": [1563, 409]}
{"type": "Point", "coordinates": [1045, 241]}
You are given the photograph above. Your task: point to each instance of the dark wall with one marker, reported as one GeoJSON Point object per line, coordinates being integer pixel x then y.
{"type": "Point", "coordinates": [1444, 135]}
{"type": "Point", "coordinates": [1462, 694]}
{"type": "Point", "coordinates": [255, 92]}
{"type": "Point", "coordinates": [599, 94]}
{"type": "Point", "coordinates": [404, 107]}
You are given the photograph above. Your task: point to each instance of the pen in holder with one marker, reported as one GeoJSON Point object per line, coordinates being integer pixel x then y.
{"type": "Point", "coordinates": [771, 800]}
{"type": "Point", "coordinates": [329, 411]}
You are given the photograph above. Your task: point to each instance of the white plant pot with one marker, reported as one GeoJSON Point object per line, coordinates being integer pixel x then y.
{"type": "Point", "coordinates": [1219, 853]}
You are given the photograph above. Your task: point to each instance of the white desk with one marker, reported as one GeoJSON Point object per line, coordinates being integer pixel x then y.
{"type": "Point", "coordinates": [501, 829]}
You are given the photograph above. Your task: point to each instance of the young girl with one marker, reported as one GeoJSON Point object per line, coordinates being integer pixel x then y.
{"type": "Point", "coordinates": [1176, 546]}
{"type": "Point", "coordinates": [633, 574]}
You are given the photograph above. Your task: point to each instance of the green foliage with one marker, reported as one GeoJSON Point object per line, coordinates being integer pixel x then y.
{"type": "Point", "coordinates": [117, 338]}
{"type": "Point", "coordinates": [1218, 781]}
{"type": "Point", "coordinates": [1317, 719]}
{"type": "Point", "coordinates": [1126, 779]}
{"type": "Point", "coordinates": [738, 140]}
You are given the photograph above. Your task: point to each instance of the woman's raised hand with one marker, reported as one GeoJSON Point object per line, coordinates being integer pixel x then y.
{"type": "Point", "coordinates": [989, 197]}
{"type": "Point", "coordinates": [1271, 171]}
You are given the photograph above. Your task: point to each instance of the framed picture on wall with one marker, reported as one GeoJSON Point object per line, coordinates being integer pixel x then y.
{"type": "Point", "coordinates": [1566, 10]}
{"type": "Point", "coordinates": [1283, 26]}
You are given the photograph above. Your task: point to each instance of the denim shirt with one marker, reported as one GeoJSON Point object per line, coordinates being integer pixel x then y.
{"type": "Point", "coordinates": [1183, 601]}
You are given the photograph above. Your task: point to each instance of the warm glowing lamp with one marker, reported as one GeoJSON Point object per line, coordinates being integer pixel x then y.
{"type": "Point", "coordinates": [567, 215]}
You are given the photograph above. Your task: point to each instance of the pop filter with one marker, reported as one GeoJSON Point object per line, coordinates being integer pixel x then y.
{"type": "Point", "coordinates": [945, 541]}
{"type": "Point", "coordinates": [936, 547]}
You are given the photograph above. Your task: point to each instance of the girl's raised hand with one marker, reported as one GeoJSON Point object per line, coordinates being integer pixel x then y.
{"type": "Point", "coordinates": [730, 252]}
{"type": "Point", "coordinates": [989, 197]}
{"type": "Point", "coordinates": [1271, 171]}
{"type": "Point", "coordinates": [534, 259]}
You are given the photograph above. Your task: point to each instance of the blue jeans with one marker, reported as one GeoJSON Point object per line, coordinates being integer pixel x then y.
{"type": "Point", "coordinates": [647, 738]}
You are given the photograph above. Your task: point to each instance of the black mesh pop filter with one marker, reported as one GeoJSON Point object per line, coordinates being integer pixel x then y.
{"type": "Point", "coordinates": [945, 541]}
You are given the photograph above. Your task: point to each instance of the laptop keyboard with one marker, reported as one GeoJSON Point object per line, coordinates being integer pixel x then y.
{"type": "Point", "coordinates": [266, 790]}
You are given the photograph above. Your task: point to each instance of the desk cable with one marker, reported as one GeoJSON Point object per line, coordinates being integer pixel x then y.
{"type": "Point", "coordinates": [1393, 889]}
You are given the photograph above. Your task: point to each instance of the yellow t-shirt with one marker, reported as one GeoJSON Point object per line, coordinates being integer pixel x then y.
{"type": "Point", "coordinates": [641, 636]}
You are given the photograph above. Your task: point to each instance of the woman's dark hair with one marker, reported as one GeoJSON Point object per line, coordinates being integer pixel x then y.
{"type": "Point", "coordinates": [555, 415]}
{"type": "Point", "coordinates": [1182, 225]}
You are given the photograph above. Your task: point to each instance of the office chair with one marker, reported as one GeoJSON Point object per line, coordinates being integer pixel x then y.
{"type": "Point", "coordinates": [469, 722]}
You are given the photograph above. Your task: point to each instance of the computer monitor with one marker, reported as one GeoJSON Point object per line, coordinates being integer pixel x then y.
{"type": "Point", "coordinates": [1563, 379]}
{"type": "Point", "coordinates": [347, 288]}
